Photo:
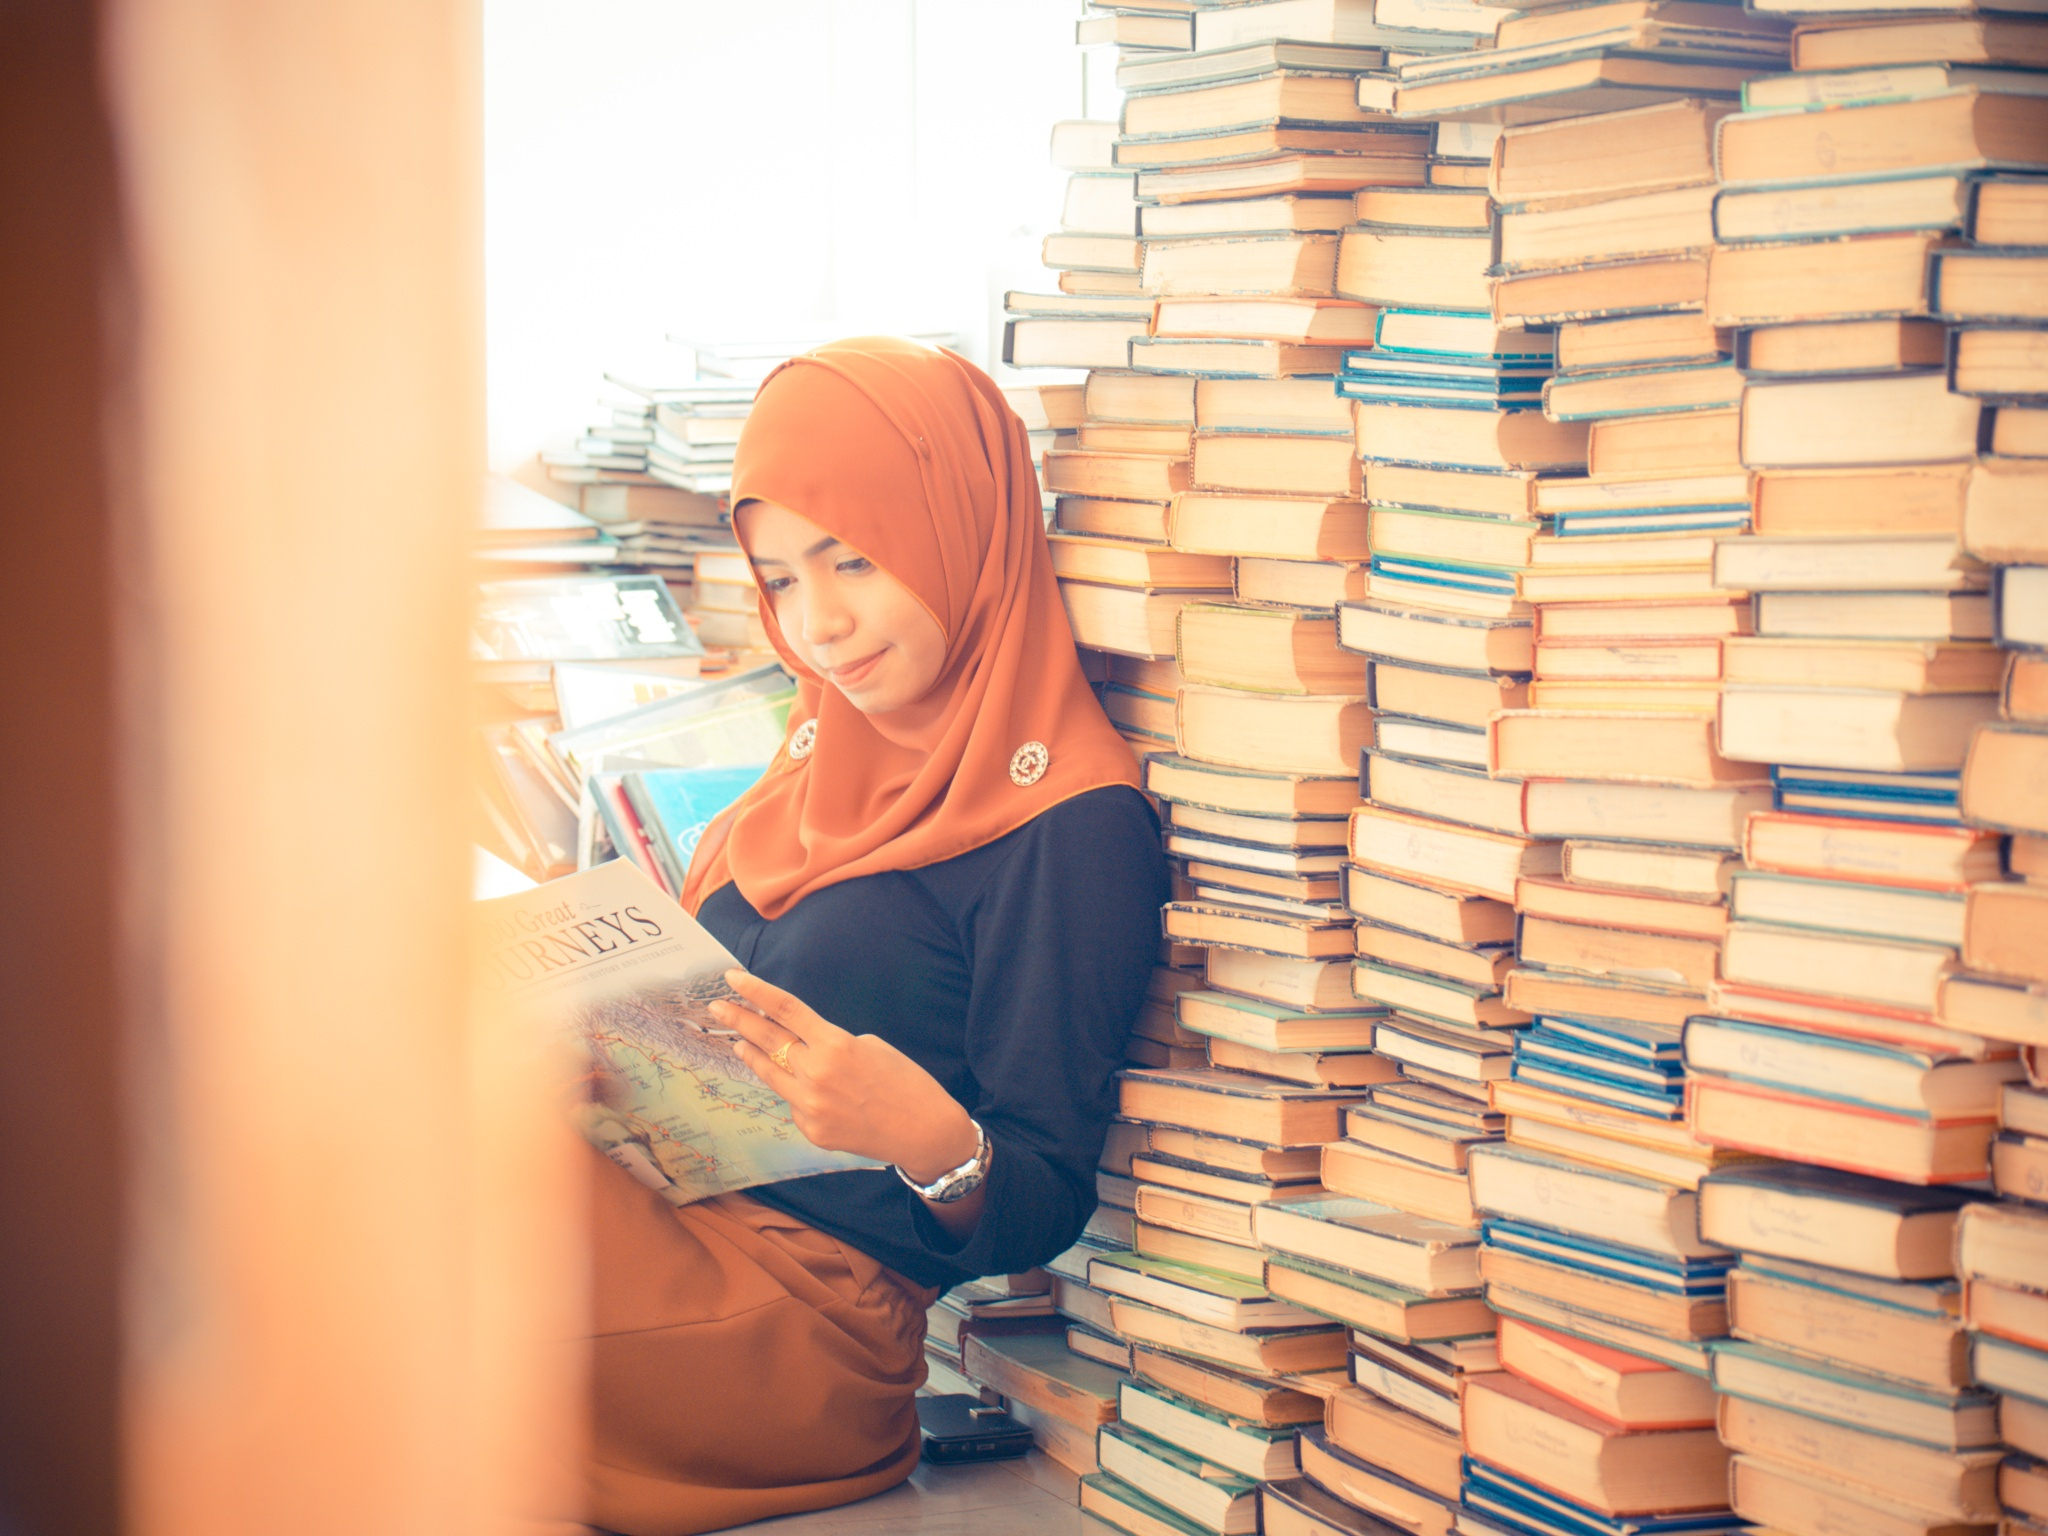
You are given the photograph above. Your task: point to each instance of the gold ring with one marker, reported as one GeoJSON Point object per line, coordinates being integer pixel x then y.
{"type": "Point", "coordinates": [780, 1055]}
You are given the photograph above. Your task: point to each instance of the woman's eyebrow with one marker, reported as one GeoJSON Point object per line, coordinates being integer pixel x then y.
{"type": "Point", "coordinates": [816, 549]}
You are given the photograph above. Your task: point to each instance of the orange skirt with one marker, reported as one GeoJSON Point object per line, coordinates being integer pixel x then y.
{"type": "Point", "coordinates": [744, 1364]}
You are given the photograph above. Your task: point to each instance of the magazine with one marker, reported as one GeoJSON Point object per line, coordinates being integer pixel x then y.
{"type": "Point", "coordinates": [609, 962]}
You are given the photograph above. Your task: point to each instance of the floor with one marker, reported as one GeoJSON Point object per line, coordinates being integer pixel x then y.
{"type": "Point", "coordinates": [1032, 1496]}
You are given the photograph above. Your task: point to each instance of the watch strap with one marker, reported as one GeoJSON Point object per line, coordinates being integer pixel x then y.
{"type": "Point", "coordinates": [956, 1183]}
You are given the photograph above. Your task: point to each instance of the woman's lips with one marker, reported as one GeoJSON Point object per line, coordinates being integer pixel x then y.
{"type": "Point", "coordinates": [855, 672]}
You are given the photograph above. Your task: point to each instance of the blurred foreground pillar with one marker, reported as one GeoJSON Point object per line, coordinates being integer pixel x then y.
{"type": "Point", "coordinates": [345, 1242]}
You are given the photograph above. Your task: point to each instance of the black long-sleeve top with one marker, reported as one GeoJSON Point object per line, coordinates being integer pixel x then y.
{"type": "Point", "coordinates": [1012, 974]}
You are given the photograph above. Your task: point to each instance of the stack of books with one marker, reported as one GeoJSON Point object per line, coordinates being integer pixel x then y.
{"type": "Point", "coordinates": [1604, 233]}
{"type": "Point", "coordinates": [1608, 1294]}
{"type": "Point", "coordinates": [1833, 1040]}
{"type": "Point", "coordinates": [1098, 307]}
{"type": "Point", "coordinates": [1870, 666]}
{"type": "Point", "coordinates": [1396, 1258]}
{"type": "Point", "coordinates": [2004, 990]}
{"type": "Point", "coordinates": [687, 433]}
{"type": "Point", "coordinates": [663, 450]}
{"type": "Point", "coordinates": [2002, 1259]}
{"type": "Point", "coordinates": [692, 435]}
{"type": "Point", "coordinates": [1675, 964]}
{"type": "Point", "coordinates": [525, 533]}
{"type": "Point", "coordinates": [1112, 1229]}
{"type": "Point", "coordinates": [724, 603]}
{"type": "Point", "coordinates": [544, 531]}
{"type": "Point", "coordinates": [1846, 1396]}
{"type": "Point", "coordinates": [1223, 1365]}
{"type": "Point", "coordinates": [1448, 429]}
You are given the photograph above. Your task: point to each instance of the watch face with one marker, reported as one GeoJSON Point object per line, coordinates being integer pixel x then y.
{"type": "Point", "coordinates": [957, 1186]}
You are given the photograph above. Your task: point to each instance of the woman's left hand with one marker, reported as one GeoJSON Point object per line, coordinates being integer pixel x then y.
{"type": "Point", "coordinates": [849, 1093]}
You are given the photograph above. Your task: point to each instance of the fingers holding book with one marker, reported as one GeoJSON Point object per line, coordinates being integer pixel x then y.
{"type": "Point", "coordinates": [777, 1030]}
{"type": "Point", "coordinates": [792, 1013]}
{"type": "Point", "coordinates": [848, 1093]}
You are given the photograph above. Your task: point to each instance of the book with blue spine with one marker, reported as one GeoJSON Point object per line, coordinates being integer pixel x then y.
{"type": "Point", "coordinates": [1557, 1061]}
{"type": "Point", "coordinates": [1520, 1184]}
{"type": "Point", "coordinates": [1555, 1048]}
{"type": "Point", "coordinates": [1467, 335]}
{"type": "Point", "coordinates": [1511, 1504]}
{"type": "Point", "coordinates": [1560, 1052]}
{"type": "Point", "coordinates": [1443, 378]}
{"type": "Point", "coordinates": [1489, 394]}
{"type": "Point", "coordinates": [1869, 795]}
{"type": "Point", "coordinates": [1939, 1297]}
{"type": "Point", "coordinates": [1652, 520]}
{"type": "Point", "coordinates": [1476, 366]}
{"type": "Point", "coordinates": [1699, 1278]}
{"type": "Point", "coordinates": [1563, 1069]}
{"type": "Point", "coordinates": [1495, 580]}
{"type": "Point", "coordinates": [1627, 1038]}
{"type": "Point", "coordinates": [1724, 377]}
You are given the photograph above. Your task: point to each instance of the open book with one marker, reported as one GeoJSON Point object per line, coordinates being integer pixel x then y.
{"type": "Point", "coordinates": [606, 959]}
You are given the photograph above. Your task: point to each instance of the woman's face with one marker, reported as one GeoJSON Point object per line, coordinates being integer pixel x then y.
{"type": "Point", "coordinates": [857, 626]}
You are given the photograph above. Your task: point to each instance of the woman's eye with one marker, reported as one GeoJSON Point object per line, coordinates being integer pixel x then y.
{"type": "Point", "coordinates": [775, 585]}
{"type": "Point", "coordinates": [856, 565]}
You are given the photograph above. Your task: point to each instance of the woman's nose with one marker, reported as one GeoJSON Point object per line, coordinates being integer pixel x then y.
{"type": "Point", "coordinates": [825, 618]}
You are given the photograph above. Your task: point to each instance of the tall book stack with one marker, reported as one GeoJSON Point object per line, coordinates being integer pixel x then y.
{"type": "Point", "coordinates": [1608, 1294]}
{"type": "Point", "coordinates": [1210, 326]}
{"type": "Point", "coordinates": [2002, 1259]}
{"type": "Point", "coordinates": [1692, 424]}
{"type": "Point", "coordinates": [1223, 1365]}
{"type": "Point", "coordinates": [1860, 685]}
{"type": "Point", "coordinates": [2003, 992]}
{"type": "Point", "coordinates": [1865, 675]}
{"type": "Point", "coordinates": [2002, 1250]}
{"type": "Point", "coordinates": [1846, 1396]}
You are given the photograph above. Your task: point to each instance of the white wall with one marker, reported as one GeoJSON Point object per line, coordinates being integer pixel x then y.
{"type": "Point", "coordinates": [766, 169]}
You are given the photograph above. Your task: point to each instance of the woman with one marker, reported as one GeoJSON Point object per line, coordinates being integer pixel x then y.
{"type": "Point", "coordinates": [945, 889]}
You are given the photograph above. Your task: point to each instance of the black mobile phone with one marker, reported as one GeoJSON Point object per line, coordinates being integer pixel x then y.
{"type": "Point", "coordinates": [959, 1428]}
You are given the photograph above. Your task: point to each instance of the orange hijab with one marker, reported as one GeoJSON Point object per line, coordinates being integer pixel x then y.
{"type": "Point", "coordinates": [912, 456]}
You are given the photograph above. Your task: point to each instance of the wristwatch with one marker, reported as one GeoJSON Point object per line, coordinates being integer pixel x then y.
{"type": "Point", "coordinates": [956, 1183]}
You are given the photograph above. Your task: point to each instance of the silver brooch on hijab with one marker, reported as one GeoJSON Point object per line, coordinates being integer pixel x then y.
{"type": "Point", "coordinates": [802, 739]}
{"type": "Point", "coordinates": [1028, 764]}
